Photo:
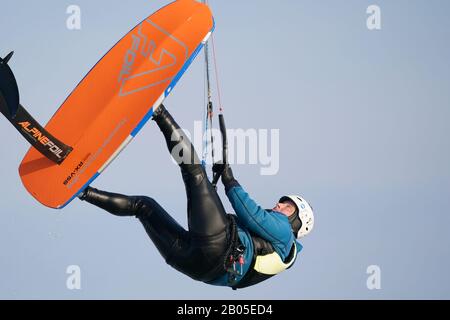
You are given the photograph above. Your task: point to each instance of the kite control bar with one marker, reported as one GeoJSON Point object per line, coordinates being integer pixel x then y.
{"type": "Point", "coordinates": [28, 127]}
{"type": "Point", "coordinates": [220, 166]}
{"type": "Point", "coordinates": [223, 131]}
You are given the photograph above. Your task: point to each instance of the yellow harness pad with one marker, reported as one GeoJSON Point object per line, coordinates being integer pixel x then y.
{"type": "Point", "coordinates": [272, 264]}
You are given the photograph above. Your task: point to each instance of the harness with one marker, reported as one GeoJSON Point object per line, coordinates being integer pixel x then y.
{"type": "Point", "coordinates": [265, 264]}
{"type": "Point", "coordinates": [235, 253]}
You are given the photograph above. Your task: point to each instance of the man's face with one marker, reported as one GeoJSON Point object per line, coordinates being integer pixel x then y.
{"type": "Point", "coordinates": [286, 207]}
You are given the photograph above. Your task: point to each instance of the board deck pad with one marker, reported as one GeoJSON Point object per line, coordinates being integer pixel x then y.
{"type": "Point", "coordinates": [116, 98]}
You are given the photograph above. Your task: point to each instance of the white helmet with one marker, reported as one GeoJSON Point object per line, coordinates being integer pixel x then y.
{"type": "Point", "coordinates": [305, 214]}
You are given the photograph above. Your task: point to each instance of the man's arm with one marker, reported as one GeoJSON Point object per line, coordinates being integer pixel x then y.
{"type": "Point", "coordinates": [273, 227]}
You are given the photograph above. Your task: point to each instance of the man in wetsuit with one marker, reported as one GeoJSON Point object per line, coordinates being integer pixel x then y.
{"type": "Point", "coordinates": [219, 249]}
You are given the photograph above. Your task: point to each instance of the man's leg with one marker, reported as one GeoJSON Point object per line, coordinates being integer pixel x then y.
{"type": "Point", "coordinates": [172, 241]}
{"type": "Point", "coordinates": [206, 214]}
{"type": "Point", "coordinates": [167, 235]}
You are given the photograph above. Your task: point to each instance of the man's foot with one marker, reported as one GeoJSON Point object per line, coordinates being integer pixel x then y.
{"type": "Point", "coordinates": [82, 196]}
{"type": "Point", "coordinates": [116, 204]}
{"type": "Point", "coordinates": [158, 111]}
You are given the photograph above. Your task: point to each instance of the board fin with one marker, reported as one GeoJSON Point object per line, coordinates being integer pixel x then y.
{"type": "Point", "coordinates": [8, 86]}
{"type": "Point", "coordinates": [29, 128]}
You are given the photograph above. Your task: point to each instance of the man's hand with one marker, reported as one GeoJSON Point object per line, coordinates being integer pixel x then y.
{"type": "Point", "coordinates": [228, 179]}
{"type": "Point", "coordinates": [227, 175]}
{"type": "Point", "coordinates": [225, 171]}
{"type": "Point", "coordinates": [218, 168]}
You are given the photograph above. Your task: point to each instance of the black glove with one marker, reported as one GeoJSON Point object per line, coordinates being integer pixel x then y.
{"type": "Point", "coordinates": [218, 168]}
{"type": "Point", "coordinates": [228, 179]}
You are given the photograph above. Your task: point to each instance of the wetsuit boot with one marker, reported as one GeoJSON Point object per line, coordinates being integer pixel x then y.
{"type": "Point", "coordinates": [116, 204]}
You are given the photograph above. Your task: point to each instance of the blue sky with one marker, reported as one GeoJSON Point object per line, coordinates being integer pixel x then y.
{"type": "Point", "coordinates": [363, 136]}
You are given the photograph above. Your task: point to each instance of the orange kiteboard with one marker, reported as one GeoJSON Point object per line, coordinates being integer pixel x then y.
{"type": "Point", "coordinates": [115, 99]}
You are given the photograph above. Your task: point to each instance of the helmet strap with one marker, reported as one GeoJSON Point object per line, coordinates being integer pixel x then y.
{"type": "Point", "coordinates": [295, 222]}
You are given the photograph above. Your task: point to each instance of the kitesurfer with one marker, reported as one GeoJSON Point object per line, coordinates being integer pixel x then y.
{"type": "Point", "coordinates": [219, 249]}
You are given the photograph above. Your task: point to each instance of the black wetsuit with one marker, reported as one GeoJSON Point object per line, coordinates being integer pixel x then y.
{"type": "Point", "coordinates": [198, 252]}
